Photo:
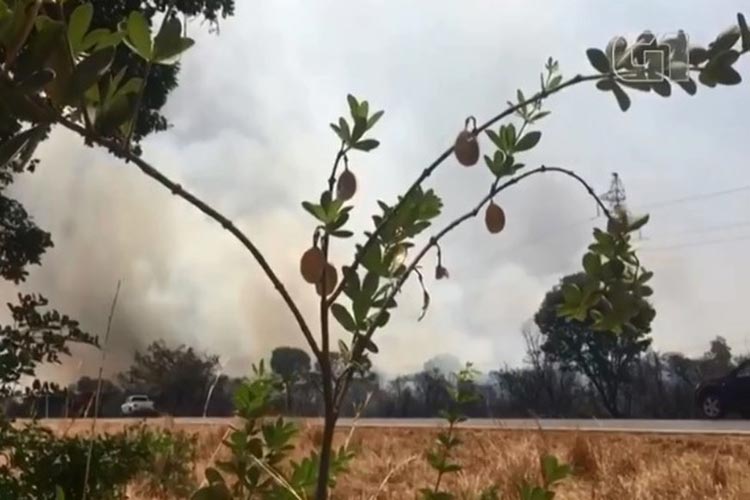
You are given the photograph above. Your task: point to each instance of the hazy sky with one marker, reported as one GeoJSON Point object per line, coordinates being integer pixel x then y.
{"type": "Point", "coordinates": [251, 136]}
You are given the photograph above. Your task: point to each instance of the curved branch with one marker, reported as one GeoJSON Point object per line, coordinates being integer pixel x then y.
{"type": "Point", "coordinates": [358, 348]}
{"type": "Point", "coordinates": [446, 154]}
{"type": "Point", "coordinates": [178, 190]}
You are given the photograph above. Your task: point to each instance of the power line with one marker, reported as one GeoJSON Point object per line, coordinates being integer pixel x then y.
{"type": "Point", "coordinates": [657, 204]}
{"type": "Point", "coordinates": [695, 244]}
{"type": "Point", "coordinates": [696, 197]}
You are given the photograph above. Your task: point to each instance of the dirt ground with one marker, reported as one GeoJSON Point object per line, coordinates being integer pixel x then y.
{"type": "Point", "coordinates": [389, 463]}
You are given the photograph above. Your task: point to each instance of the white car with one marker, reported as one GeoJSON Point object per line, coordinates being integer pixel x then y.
{"type": "Point", "coordinates": [137, 404]}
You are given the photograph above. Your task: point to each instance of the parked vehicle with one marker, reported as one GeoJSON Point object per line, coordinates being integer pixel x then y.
{"type": "Point", "coordinates": [138, 405]}
{"type": "Point", "coordinates": [730, 393]}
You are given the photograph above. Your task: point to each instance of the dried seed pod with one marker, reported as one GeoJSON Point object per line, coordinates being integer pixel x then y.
{"type": "Point", "coordinates": [311, 265]}
{"type": "Point", "coordinates": [331, 279]}
{"type": "Point", "coordinates": [346, 185]}
{"type": "Point", "coordinates": [441, 272]}
{"type": "Point", "coordinates": [466, 148]}
{"type": "Point", "coordinates": [494, 218]}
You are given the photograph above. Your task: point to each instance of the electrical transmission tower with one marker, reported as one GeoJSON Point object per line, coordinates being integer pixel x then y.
{"type": "Point", "coordinates": [615, 197]}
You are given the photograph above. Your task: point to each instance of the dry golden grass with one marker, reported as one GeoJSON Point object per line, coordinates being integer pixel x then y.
{"type": "Point", "coordinates": [610, 466]}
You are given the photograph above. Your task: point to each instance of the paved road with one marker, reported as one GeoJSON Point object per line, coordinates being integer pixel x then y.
{"type": "Point", "coordinates": [609, 425]}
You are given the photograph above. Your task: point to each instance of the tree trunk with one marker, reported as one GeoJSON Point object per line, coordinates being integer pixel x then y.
{"type": "Point", "coordinates": [325, 455]}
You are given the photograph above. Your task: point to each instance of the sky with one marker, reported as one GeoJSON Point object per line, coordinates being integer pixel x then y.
{"type": "Point", "coordinates": [250, 135]}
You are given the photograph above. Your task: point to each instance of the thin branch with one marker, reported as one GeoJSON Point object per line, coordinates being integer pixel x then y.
{"type": "Point", "coordinates": [99, 390]}
{"type": "Point", "coordinates": [358, 348]}
{"type": "Point", "coordinates": [446, 154]}
{"type": "Point", "coordinates": [178, 190]}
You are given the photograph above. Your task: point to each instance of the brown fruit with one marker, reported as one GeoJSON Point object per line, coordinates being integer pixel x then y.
{"type": "Point", "coordinates": [346, 186]}
{"type": "Point", "coordinates": [311, 265]}
{"type": "Point", "coordinates": [331, 279]}
{"type": "Point", "coordinates": [494, 218]}
{"type": "Point", "coordinates": [466, 148]}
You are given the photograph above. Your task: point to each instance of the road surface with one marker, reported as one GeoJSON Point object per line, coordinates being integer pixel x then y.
{"type": "Point", "coordinates": [739, 427]}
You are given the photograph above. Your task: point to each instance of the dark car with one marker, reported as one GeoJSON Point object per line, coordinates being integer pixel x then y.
{"type": "Point", "coordinates": [730, 393]}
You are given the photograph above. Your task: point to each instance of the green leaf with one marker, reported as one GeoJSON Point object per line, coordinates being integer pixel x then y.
{"type": "Point", "coordinates": [139, 35]}
{"type": "Point", "coordinates": [539, 116]}
{"type": "Point", "coordinates": [360, 126]}
{"type": "Point", "coordinates": [495, 138]}
{"type": "Point", "coordinates": [605, 85]}
{"type": "Point", "coordinates": [725, 40]}
{"type": "Point", "coordinates": [688, 86]}
{"type": "Point", "coordinates": [116, 112]}
{"type": "Point", "coordinates": [89, 71]}
{"type": "Point", "coordinates": [12, 148]}
{"type": "Point", "coordinates": [571, 293]}
{"type": "Point", "coordinates": [316, 211]}
{"type": "Point", "coordinates": [374, 119]}
{"type": "Point", "coordinates": [366, 145]}
{"type": "Point", "coordinates": [59, 493]}
{"type": "Point", "coordinates": [662, 87]}
{"type": "Point", "coordinates": [508, 137]}
{"type": "Point", "coordinates": [744, 32]}
{"type": "Point", "coordinates": [528, 141]}
{"type": "Point", "coordinates": [638, 223]}
{"type": "Point", "coordinates": [48, 38]}
{"type": "Point", "coordinates": [697, 55]}
{"type": "Point", "coordinates": [370, 285]}
{"type": "Point", "coordinates": [103, 40]}
{"type": "Point", "coordinates": [598, 60]}
{"type": "Point", "coordinates": [553, 471]}
{"type": "Point", "coordinates": [342, 233]}
{"type": "Point", "coordinates": [78, 26]}
{"type": "Point", "coordinates": [169, 43]}
{"type": "Point", "coordinates": [345, 132]}
{"type": "Point", "coordinates": [353, 105]}
{"type": "Point", "coordinates": [591, 264]}
{"type": "Point", "coordinates": [343, 317]}
{"type": "Point", "coordinates": [37, 81]}
{"type": "Point", "coordinates": [622, 98]}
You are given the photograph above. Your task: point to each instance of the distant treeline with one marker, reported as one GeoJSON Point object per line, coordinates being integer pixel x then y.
{"type": "Point", "coordinates": [179, 379]}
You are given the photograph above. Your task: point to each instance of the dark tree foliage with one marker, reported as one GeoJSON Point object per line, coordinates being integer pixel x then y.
{"type": "Point", "coordinates": [178, 379]}
{"type": "Point", "coordinates": [23, 243]}
{"type": "Point", "coordinates": [291, 364]}
{"type": "Point", "coordinates": [37, 336]}
{"type": "Point", "coordinates": [603, 357]}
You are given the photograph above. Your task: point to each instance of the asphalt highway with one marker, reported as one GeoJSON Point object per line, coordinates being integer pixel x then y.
{"type": "Point", "coordinates": [740, 427]}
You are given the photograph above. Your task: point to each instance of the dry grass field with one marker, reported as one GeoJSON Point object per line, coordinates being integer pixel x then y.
{"type": "Point", "coordinates": [608, 465]}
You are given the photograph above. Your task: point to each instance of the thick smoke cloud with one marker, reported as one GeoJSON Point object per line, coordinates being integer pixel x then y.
{"type": "Point", "coordinates": [250, 135]}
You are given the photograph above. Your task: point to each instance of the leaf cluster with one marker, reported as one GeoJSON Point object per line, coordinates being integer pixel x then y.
{"type": "Point", "coordinates": [260, 449]}
{"type": "Point", "coordinates": [616, 286]}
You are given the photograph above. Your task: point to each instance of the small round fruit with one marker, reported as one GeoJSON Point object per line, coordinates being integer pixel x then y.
{"type": "Point", "coordinates": [331, 280]}
{"type": "Point", "coordinates": [466, 148]}
{"type": "Point", "coordinates": [346, 186]}
{"type": "Point", "coordinates": [494, 218]}
{"type": "Point", "coordinates": [311, 265]}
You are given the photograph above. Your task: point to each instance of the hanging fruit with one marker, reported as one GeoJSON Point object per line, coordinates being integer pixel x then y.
{"type": "Point", "coordinates": [494, 218]}
{"type": "Point", "coordinates": [346, 185]}
{"type": "Point", "coordinates": [331, 280]}
{"type": "Point", "coordinates": [466, 148]}
{"type": "Point", "coordinates": [311, 265]}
